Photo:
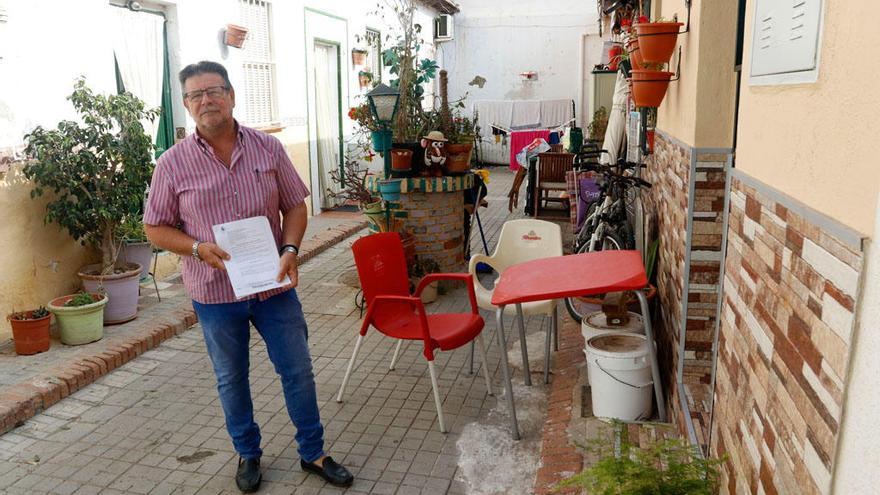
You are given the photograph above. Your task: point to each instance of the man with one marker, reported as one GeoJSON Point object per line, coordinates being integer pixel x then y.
{"type": "Point", "coordinates": [226, 172]}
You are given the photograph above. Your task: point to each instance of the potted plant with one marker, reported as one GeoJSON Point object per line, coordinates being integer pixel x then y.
{"type": "Point", "coordinates": [461, 144]}
{"type": "Point", "coordinates": [98, 170]}
{"type": "Point", "coordinates": [362, 115]}
{"type": "Point", "coordinates": [358, 56]}
{"type": "Point", "coordinates": [649, 85]}
{"type": "Point", "coordinates": [80, 317]}
{"type": "Point", "coordinates": [421, 267]}
{"type": "Point", "coordinates": [657, 40]}
{"type": "Point", "coordinates": [365, 77]}
{"type": "Point", "coordinates": [30, 330]}
{"type": "Point", "coordinates": [401, 160]}
{"type": "Point", "coordinates": [634, 52]}
{"type": "Point", "coordinates": [670, 466]}
{"type": "Point", "coordinates": [135, 246]}
{"type": "Point", "coordinates": [596, 128]}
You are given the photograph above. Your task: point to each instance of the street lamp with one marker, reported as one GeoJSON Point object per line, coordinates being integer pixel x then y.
{"type": "Point", "coordinates": [383, 105]}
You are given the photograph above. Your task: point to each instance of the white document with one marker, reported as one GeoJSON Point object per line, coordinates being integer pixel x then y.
{"type": "Point", "coordinates": [254, 261]}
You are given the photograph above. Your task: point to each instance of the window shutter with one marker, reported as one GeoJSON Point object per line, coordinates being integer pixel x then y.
{"type": "Point", "coordinates": [258, 66]}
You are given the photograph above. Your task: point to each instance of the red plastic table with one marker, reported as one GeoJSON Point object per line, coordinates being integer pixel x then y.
{"type": "Point", "coordinates": [569, 276]}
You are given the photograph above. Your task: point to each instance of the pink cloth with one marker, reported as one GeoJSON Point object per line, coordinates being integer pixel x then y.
{"type": "Point", "coordinates": [192, 188]}
{"type": "Point", "coordinates": [521, 139]}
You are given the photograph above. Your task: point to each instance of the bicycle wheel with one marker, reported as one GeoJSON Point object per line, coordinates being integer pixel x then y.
{"type": "Point", "coordinates": [586, 232]}
{"type": "Point", "coordinates": [579, 307]}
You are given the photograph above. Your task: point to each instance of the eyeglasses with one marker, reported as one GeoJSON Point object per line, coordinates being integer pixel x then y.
{"type": "Point", "coordinates": [212, 92]}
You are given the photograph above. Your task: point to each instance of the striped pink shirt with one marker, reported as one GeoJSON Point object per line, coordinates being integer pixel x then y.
{"type": "Point", "coordinates": [193, 189]}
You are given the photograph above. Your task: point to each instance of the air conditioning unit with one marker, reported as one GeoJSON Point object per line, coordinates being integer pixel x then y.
{"type": "Point", "coordinates": [443, 27]}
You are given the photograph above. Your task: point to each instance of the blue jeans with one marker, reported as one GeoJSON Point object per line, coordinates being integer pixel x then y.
{"type": "Point", "coordinates": [281, 323]}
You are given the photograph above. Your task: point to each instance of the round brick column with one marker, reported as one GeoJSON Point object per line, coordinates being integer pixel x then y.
{"type": "Point", "coordinates": [434, 212]}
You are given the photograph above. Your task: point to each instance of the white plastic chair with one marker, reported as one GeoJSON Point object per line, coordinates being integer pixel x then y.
{"type": "Point", "coordinates": [521, 240]}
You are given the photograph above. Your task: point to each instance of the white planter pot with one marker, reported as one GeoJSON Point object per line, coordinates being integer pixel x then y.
{"type": "Point", "coordinates": [122, 290]}
{"type": "Point", "coordinates": [140, 253]}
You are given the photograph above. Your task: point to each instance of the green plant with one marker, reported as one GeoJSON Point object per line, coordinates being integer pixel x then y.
{"type": "Point", "coordinates": [81, 299]}
{"type": "Point", "coordinates": [352, 182]}
{"type": "Point", "coordinates": [131, 229]}
{"type": "Point", "coordinates": [665, 467]}
{"type": "Point", "coordinates": [36, 314]}
{"type": "Point", "coordinates": [412, 73]}
{"type": "Point", "coordinates": [598, 125]}
{"type": "Point", "coordinates": [98, 170]}
{"type": "Point", "coordinates": [364, 117]}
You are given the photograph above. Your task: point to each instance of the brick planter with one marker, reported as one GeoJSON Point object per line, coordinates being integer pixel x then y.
{"type": "Point", "coordinates": [434, 208]}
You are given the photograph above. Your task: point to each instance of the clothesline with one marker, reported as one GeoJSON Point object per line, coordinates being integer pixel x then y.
{"type": "Point", "coordinates": [551, 128]}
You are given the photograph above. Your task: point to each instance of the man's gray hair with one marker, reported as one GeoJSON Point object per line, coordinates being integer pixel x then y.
{"type": "Point", "coordinates": [204, 67]}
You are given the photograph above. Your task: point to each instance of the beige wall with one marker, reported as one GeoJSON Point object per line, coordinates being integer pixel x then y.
{"type": "Point", "coordinates": [38, 262]}
{"type": "Point", "coordinates": [699, 108]}
{"type": "Point", "coordinates": [296, 142]}
{"type": "Point", "coordinates": [816, 142]}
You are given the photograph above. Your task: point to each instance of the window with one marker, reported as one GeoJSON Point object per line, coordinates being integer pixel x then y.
{"type": "Point", "coordinates": [374, 54]}
{"type": "Point", "coordinates": [785, 42]}
{"type": "Point", "coordinates": [258, 66]}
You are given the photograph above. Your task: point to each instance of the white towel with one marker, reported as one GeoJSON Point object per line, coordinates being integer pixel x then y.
{"type": "Point", "coordinates": [555, 113]}
{"type": "Point", "coordinates": [496, 112]}
{"type": "Point", "coordinates": [526, 114]}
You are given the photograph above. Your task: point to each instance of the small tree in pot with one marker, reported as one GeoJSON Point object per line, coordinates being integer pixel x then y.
{"type": "Point", "coordinates": [98, 169]}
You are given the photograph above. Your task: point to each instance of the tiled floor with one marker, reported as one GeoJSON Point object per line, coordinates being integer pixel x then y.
{"type": "Point", "coordinates": [155, 425]}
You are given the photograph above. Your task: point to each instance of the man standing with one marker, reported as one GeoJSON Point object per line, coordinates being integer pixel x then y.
{"type": "Point", "coordinates": [221, 173]}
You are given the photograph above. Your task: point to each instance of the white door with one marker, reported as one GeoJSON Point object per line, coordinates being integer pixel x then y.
{"type": "Point", "coordinates": [327, 118]}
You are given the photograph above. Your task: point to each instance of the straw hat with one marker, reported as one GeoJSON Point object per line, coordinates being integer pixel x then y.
{"type": "Point", "coordinates": [435, 136]}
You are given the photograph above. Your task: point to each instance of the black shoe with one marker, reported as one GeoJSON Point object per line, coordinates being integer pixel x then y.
{"type": "Point", "coordinates": [248, 476]}
{"type": "Point", "coordinates": [333, 473]}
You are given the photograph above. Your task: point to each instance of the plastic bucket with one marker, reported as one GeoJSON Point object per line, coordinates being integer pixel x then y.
{"type": "Point", "coordinates": [620, 376]}
{"type": "Point", "coordinates": [595, 324]}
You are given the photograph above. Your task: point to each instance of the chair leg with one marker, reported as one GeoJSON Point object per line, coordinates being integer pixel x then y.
{"type": "Point", "coordinates": [433, 373]}
{"type": "Point", "coordinates": [357, 346]}
{"type": "Point", "coordinates": [394, 357]}
{"type": "Point", "coordinates": [471, 360]}
{"type": "Point", "coordinates": [527, 374]}
{"type": "Point", "coordinates": [485, 358]}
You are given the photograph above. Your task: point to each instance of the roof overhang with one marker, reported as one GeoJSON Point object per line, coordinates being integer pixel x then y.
{"type": "Point", "coordinates": [444, 6]}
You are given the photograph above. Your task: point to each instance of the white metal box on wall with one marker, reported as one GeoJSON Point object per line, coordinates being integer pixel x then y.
{"type": "Point", "coordinates": [785, 41]}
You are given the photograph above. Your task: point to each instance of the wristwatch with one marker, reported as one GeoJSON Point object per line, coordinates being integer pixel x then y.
{"type": "Point", "coordinates": [288, 248]}
{"type": "Point", "coordinates": [195, 251]}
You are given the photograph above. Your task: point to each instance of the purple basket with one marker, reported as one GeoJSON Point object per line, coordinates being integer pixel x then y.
{"type": "Point", "coordinates": [588, 193]}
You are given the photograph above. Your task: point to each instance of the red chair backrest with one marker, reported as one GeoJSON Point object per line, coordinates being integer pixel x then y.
{"type": "Point", "coordinates": [381, 265]}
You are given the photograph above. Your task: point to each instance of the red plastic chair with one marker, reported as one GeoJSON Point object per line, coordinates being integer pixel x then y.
{"type": "Point", "coordinates": [394, 312]}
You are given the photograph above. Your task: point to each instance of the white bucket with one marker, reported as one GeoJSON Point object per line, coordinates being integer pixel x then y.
{"type": "Point", "coordinates": [620, 374]}
{"type": "Point", "coordinates": [595, 324]}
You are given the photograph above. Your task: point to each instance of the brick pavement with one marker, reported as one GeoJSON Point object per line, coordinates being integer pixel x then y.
{"type": "Point", "coordinates": [154, 425]}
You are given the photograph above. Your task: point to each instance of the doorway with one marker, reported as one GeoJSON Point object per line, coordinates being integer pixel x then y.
{"type": "Point", "coordinates": [328, 118]}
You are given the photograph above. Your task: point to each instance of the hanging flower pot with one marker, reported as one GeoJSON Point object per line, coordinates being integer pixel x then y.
{"type": "Point", "coordinates": [649, 87]}
{"type": "Point", "coordinates": [381, 140]}
{"type": "Point", "coordinates": [364, 79]}
{"type": "Point", "coordinates": [390, 189]}
{"type": "Point", "coordinates": [614, 54]}
{"type": "Point", "coordinates": [235, 35]}
{"type": "Point", "coordinates": [401, 160]}
{"type": "Point", "coordinates": [635, 54]}
{"type": "Point", "coordinates": [358, 56]}
{"type": "Point", "coordinates": [657, 40]}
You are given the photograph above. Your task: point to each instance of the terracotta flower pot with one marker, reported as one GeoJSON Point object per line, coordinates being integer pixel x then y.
{"type": "Point", "coordinates": [649, 87]}
{"type": "Point", "coordinates": [31, 336]}
{"type": "Point", "coordinates": [358, 57]}
{"type": "Point", "coordinates": [235, 35]}
{"type": "Point", "coordinates": [635, 54]}
{"type": "Point", "coordinates": [458, 160]}
{"type": "Point", "coordinates": [401, 160]}
{"type": "Point", "coordinates": [657, 40]}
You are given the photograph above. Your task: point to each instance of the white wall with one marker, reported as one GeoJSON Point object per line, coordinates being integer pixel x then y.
{"type": "Point", "coordinates": [858, 464]}
{"type": "Point", "coordinates": [498, 43]}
